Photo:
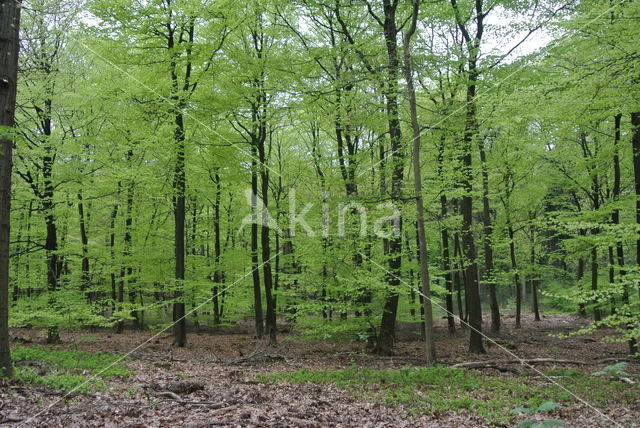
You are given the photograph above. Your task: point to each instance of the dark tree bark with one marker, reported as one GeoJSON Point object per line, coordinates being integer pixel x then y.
{"type": "Point", "coordinates": [180, 91]}
{"type": "Point", "coordinates": [514, 266]}
{"type": "Point", "coordinates": [534, 281]}
{"type": "Point", "coordinates": [580, 276]}
{"type": "Point", "coordinates": [615, 217]}
{"type": "Point", "coordinates": [466, 207]}
{"type": "Point", "coordinates": [217, 250]}
{"type": "Point", "coordinates": [128, 268]}
{"type": "Point", "coordinates": [444, 236]}
{"type": "Point", "coordinates": [255, 261]}
{"type": "Point", "coordinates": [112, 251]}
{"type": "Point", "coordinates": [635, 143]}
{"type": "Point", "coordinates": [84, 240]}
{"type": "Point", "coordinates": [180, 327]}
{"type": "Point", "coordinates": [9, 45]}
{"type": "Point", "coordinates": [594, 282]}
{"type": "Point", "coordinates": [386, 335]}
{"type": "Point", "coordinates": [488, 246]}
{"type": "Point", "coordinates": [270, 318]}
{"type": "Point", "coordinates": [458, 280]}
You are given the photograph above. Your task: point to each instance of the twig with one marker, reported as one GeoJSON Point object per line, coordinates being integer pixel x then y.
{"type": "Point", "coordinates": [483, 364]}
{"type": "Point", "coordinates": [211, 423]}
{"type": "Point", "coordinates": [10, 420]}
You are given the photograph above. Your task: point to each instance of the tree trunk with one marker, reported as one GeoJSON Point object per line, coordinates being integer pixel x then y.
{"type": "Point", "coordinates": [594, 281]}
{"type": "Point", "coordinates": [128, 224]}
{"type": "Point", "coordinates": [458, 279]}
{"type": "Point", "coordinates": [180, 92]}
{"type": "Point", "coordinates": [54, 264]}
{"type": "Point", "coordinates": [635, 143]}
{"type": "Point", "coordinates": [179, 185]}
{"type": "Point", "coordinates": [9, 45]}
{"type": "Point", "coordinates": [217, 272]}
{"type": "Point", "coordinates": [386, 335]}
{"type": "Point", "coordinates": [612, 278]}
{"type": "Point", "coordinates": [85, 281]}
{"type": "Point", "coordinates": [579, 276]}
{"type": "Point", "coordinates": [488, 246]}
{"type": "Point", "coordinates": [112, 252]}
{"type": "Point", "coordinates": [444, 236]}
{"type": "Point", "coordinates": [534, 282]}
{"type": "Point", "coordinates": [417, 178]}
{"type": "Point", "coordinates": [514, 266]}
{"type": "Point", "coordinates": [470, 134]}
{"type": "Point", "coordinates": [615, 217]}
{"type": "Point", "coordinates": [255, 263]}
{"type": "Point", "coordinates": [266, 247]}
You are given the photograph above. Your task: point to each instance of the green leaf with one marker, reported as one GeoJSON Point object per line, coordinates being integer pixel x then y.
{"type": "Point", "coordinates": [548, 406]}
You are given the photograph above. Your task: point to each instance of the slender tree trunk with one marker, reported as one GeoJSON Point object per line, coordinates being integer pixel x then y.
{"type": "Point", "coordinates": [9, 45]}
{"type": "Point", "coordinates": [444, 236]}
{"type": "Point", "coordinates": [84, 239]}
{"type": "Point", "coordinates": [458, 279]}
{"type": "Point", "coordinates": [128, 230]}
{"type": "Point", "coordinates": [54, 263]}
{"type": "Point", "coordinates": [594, 281]}
{"type": "Point", "coordinates": [266, 249]}
{"type": "Point", "coordinates": [181, 90]}
{"type": "Point", "coordinates": [417, 178]}
{"type": "Point", "coordinates": [514, 266]}
{"type": "Point", "coordinates": [17, 260]}
{"type": "Point", "coordinates": [579, 277]}
{"type": "Point", "coordinates": [120, 324]}
{"type": "Point", "coordinates": [194, 253]}
{"type": "Point", "coordinates": [180, 326]}
{"type": "Point", "coordinates": [112, 252]}
{"type": "Point", "coordinates": [217, 249]}
{"type": "Point", "coordinates": [534, 282]}
{"type": "Point", "coordinates": [615, 216]}
{"type": "Point", "coordinates": [488, 246]}
{"type": "Point", "coordinates": [635, 143]}
{"type": "Point", "coordinates": [612, 278]}
{"type": "Point", "coordinates": [446, 265]}
{"type": "Point", "coordinates": [20, 261]}
{"type": "Point", "coordinates": [255, 267]}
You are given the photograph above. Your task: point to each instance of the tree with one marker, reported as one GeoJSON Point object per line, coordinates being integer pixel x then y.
{"type": "Point", "coordinates": [472, 41]}
{"type": "Point", "coordinates": [9, 45]}
{"type": "Point", "coordinates": [417, 177]}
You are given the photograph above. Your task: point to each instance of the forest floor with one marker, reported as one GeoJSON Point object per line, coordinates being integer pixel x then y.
{"type": "Point", "coordinates": [226, 377]}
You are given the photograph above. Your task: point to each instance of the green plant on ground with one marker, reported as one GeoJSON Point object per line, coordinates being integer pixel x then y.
{"type": "Point", "coordinates": [67, 370]}
{"type": "Point", "coordinates": [444, 389]}
{"type": "Point", "coordinates": [615, 370]}
{"type": "Point", "coordinates": [546, 407]}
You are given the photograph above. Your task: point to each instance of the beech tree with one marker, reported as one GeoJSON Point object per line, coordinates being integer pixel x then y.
{"type": "Point", "coordinates": [10, 24]}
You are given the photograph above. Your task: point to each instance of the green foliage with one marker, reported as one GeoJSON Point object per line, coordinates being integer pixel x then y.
{"type": "Point", "coordinates": [616, 370]}
{"type": "Point", "coordinates": [443, 389]}
{"type": "Point", "coordinates": [68, 370]}
{"type": "Point", "coordinates": [544, 424]}
{"type": "Point", "coordinates": [546, 407]}
{"type": "Point", "coordinates": [64, 309]}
